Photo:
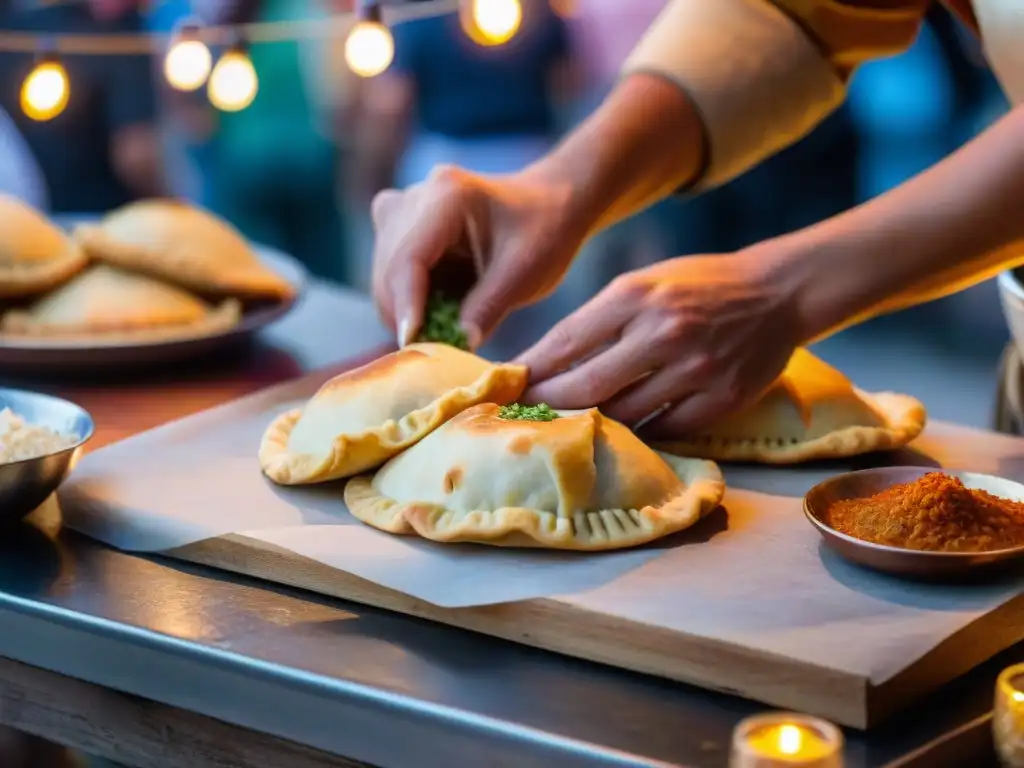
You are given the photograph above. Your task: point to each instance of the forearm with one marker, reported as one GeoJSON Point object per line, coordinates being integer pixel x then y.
{"type": "Point", "coordinates": [957, 224]}
{"type": "Point", "coordinates": [643, 143]}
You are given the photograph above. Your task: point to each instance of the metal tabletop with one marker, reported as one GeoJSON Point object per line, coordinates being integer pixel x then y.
{"type": "Point", "coordinates": [349, 680]}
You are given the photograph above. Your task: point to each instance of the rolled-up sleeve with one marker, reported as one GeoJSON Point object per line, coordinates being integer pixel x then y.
{"type": "Point", "coordinates": [763, 73]}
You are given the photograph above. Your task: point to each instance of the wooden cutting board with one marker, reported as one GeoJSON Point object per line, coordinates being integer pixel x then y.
{"type": "Point", "coordinates": [560, 626]}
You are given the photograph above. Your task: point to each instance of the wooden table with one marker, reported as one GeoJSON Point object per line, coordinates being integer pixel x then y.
{"type": "Point", "coordinates": [156, 664]}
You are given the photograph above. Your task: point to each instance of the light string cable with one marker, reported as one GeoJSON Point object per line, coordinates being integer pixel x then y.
{"type": "Point", "coordinates": [232, 82]}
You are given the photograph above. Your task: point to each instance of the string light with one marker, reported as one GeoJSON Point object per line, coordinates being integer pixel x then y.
{"type": "Point", "coordinates": [369, 47]}
{"type": "Point", "coordinates": [188, 61]}
{"type": "Point", "coordinates": [491, 22]}
{"type": "Point", "coordinates": [233, 83]}
{"type": "Point", "coordinates": [46, 89]}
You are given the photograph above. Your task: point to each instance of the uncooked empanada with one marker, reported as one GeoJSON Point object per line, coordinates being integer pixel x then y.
{"type": "Point", "coordinates": [363, 417]}
{"type": "Point", "coordinates": [181, 244]}
{"type": "Point", "coordinates": [110, 305]}
{"type": "Point", "coordinates": [35, 255]}
{"type": "Point", "coordinates": [811, 411]}
{"type": "Point", "coordinates": [582, 481]}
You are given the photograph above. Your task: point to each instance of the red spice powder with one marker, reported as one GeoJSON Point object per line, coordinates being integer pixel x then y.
{"type": "Point", "coordinates": [936, 513]}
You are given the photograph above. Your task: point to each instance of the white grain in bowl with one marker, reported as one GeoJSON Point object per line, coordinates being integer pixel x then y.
{"type": "Point", "coordinates": [20, 440]}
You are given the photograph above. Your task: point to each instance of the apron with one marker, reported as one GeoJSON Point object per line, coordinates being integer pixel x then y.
{"type": "Point", "coordinates": [1001, 23]}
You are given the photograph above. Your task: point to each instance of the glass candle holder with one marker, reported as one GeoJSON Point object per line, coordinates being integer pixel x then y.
{"type": "Point", "coordinates": [1008, 717]}
{"type": "Point", "coordinates": [786, 740]}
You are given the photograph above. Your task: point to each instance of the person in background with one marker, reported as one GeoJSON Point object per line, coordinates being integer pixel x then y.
{"type": "Point", "coordinates": [275, 164]}
{"type": "Point", "coordinates": [103, 150]}
{"type": "Point", "coordinates": [20, 174]}
{"type": "Point", "coordinates": [447, 99]}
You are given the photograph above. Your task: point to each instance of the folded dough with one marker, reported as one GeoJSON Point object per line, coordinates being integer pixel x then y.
{"type": "Point", "coordinates": [183, 245]}
{"type": "Point", "coordinates": [811, 411]}
{"type": "Point", "coordinates": [581, 482]}
{"type": "Point", "coordinates": [363, 417]}
{"type": "Point", "coordinates": [108, 304]}
{"type": "Point", "coordinates": [35, 255]}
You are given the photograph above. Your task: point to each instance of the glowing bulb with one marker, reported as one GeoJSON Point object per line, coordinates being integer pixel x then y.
{"type": "Point", "coordinates": [789, 739]}
{"type": "Point", "coordinates": [187, 63]}
{"type": "Point", "coordinates": [233, 83]}
{"type": "Point", "coordinates": [492, 22]}
{"type": "Point", "coordinates": [369, 48]}
{"type": "Point", "coordinates": [45, 92]}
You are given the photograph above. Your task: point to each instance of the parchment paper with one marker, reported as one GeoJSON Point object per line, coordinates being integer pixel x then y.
{"type": "Point", "coordinates": [755, 574]}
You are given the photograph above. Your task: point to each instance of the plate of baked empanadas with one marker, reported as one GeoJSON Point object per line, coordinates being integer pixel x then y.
{"type": "Point", "coordinates": [154, 280]}
{"type": "Point", "coordinates": [430, 441]}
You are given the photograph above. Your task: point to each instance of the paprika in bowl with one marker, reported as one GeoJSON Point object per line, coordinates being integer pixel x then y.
{"type": "Point", "coordinates": [918, 522]}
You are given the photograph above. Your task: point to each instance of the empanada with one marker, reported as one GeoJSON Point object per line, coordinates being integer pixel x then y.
{"type": "Point", "coordinates": [811, 411]}
{"type": "Point", "coordinates": [183, 245]}
{"type": "Point", "coordinates": [582, 481]}
{"type": "Point", "coordinates": [109, 304]}
{"type": "Point", "coordinates": [35, 255]}
{"type": "Point", "coordinates": [363, 417]}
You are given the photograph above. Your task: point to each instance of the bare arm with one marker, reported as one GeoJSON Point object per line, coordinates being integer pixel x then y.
{"type": "Point", "coordinates": [713, 89]}
{"type": "Point", "coordinates": [956, 224]}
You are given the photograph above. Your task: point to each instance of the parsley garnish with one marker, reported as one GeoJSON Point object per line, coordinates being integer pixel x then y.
{"type": "Point", "coordinates": [517, 412]}
{"type": "Point", "coordinates": [442, 323]}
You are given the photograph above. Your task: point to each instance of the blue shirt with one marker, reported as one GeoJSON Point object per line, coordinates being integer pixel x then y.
{"type": "Point", "coordinates": [467, 90]}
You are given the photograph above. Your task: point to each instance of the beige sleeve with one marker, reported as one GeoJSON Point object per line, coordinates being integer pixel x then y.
{"type": "Point", "coordinates": [762, 73]}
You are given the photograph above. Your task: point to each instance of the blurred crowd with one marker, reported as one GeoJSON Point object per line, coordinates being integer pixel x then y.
{"type": "Point", "coordinates": [296, 170]}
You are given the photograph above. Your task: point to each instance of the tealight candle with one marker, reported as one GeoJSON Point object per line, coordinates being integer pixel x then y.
{"type": "Point", "coordinates": [1008, 718]}
{"type": "Point", "coordinates": [786, 740]}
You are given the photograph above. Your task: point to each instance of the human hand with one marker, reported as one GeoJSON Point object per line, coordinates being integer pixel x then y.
{"type": "Point", "coordinates": [689, 339]}
{"type": "Point", "coordinates": [501, 242]}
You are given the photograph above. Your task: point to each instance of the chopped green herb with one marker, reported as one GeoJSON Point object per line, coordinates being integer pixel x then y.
{"type": "Point", "coordinates": [517, 412]}
{"type": "Point", "coordinates": [442, 324]}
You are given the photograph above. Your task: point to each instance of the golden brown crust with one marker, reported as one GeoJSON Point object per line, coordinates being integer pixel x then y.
{"type": "Point", "coordinates": [903, 419]}
{"type": "Point", "coordinates": [21, 325]}
{"type": "Point", "coordinates": [590, 483]}
{"type": "Point", "coordinates": [185, 246]}
{"type": "Point", "coordinates": [35, 255]}
{"type": "Point", "coordinates": [354, 452]}
{"type": "Point", "coordinates": [30, 278]}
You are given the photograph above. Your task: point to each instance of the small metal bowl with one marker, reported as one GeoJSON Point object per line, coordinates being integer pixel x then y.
{"type": "Point", "coordinates": [25, 485]}
{"type": "Point", "coordinates": [898, 561]}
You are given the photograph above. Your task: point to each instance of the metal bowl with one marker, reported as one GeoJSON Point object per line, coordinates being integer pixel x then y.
{"type": "Point", "coordinates": [25, 485]}
{"type": "Point", "coordinates": [897, 560]}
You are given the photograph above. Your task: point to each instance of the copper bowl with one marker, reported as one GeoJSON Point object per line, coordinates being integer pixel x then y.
{"type": "Point", "coordinates": [897, 560]}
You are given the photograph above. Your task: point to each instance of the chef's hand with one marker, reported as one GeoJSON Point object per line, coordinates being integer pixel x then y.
{"type": "Point", "coordinates": [501, 242]}
{"type": "Point", "coordinates": [693, 337]}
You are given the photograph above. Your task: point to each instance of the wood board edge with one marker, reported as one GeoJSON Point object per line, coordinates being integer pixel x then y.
{"type": "Point", "coordinates": [568, 630]}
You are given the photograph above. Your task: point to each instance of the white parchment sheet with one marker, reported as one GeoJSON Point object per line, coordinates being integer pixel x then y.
{"type": "Point", "coordinates": [754, 573]}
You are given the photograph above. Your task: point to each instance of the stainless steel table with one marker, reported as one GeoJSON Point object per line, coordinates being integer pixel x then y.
{"type": "Point", "coordinates": [154, 663]}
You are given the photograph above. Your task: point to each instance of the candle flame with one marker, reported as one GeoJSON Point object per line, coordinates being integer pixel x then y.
{"type": "Point", "coordinates": [789, 739]}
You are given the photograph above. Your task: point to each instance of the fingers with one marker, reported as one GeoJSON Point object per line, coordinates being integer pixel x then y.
{"type": "Point", "coordinates": [662, 388]}
{"type": "Point", "coordinates": [493, 297]}
{"type": "Point", "coordinates": [692, 413]}
{"type": "Point", "coordinates": [413, 233]}
{"type": "Point", "coordinates": [601, 377]}
{"type": "Point", "coordinates": [598, 321]}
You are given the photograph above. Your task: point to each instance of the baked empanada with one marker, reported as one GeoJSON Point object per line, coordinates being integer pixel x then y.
{"type": "Point", "coordinates": [109, 304]}
{"type": "Point", "coordinates": [35, 255]}
{"type": "Point", "coordinates": [811, 411]}
{"type": "Point", "coordinates": [581, 481]}
{"type": "Point", "coordinates": [180, 244]}
{"type": "Point", "coordinates": [363, 417]}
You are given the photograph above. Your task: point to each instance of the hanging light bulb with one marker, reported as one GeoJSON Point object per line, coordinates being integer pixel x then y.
{"type": "Point", "coordinates": [46, 90]}
{"type": "Point", "coordinates": [369, 47]}
{"type": "Point", "coordinates": [491, 22]}
{"type": "Point", "coordinates": [188, 60]}
{"type": "Point", "coordinates": [233, 83]}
